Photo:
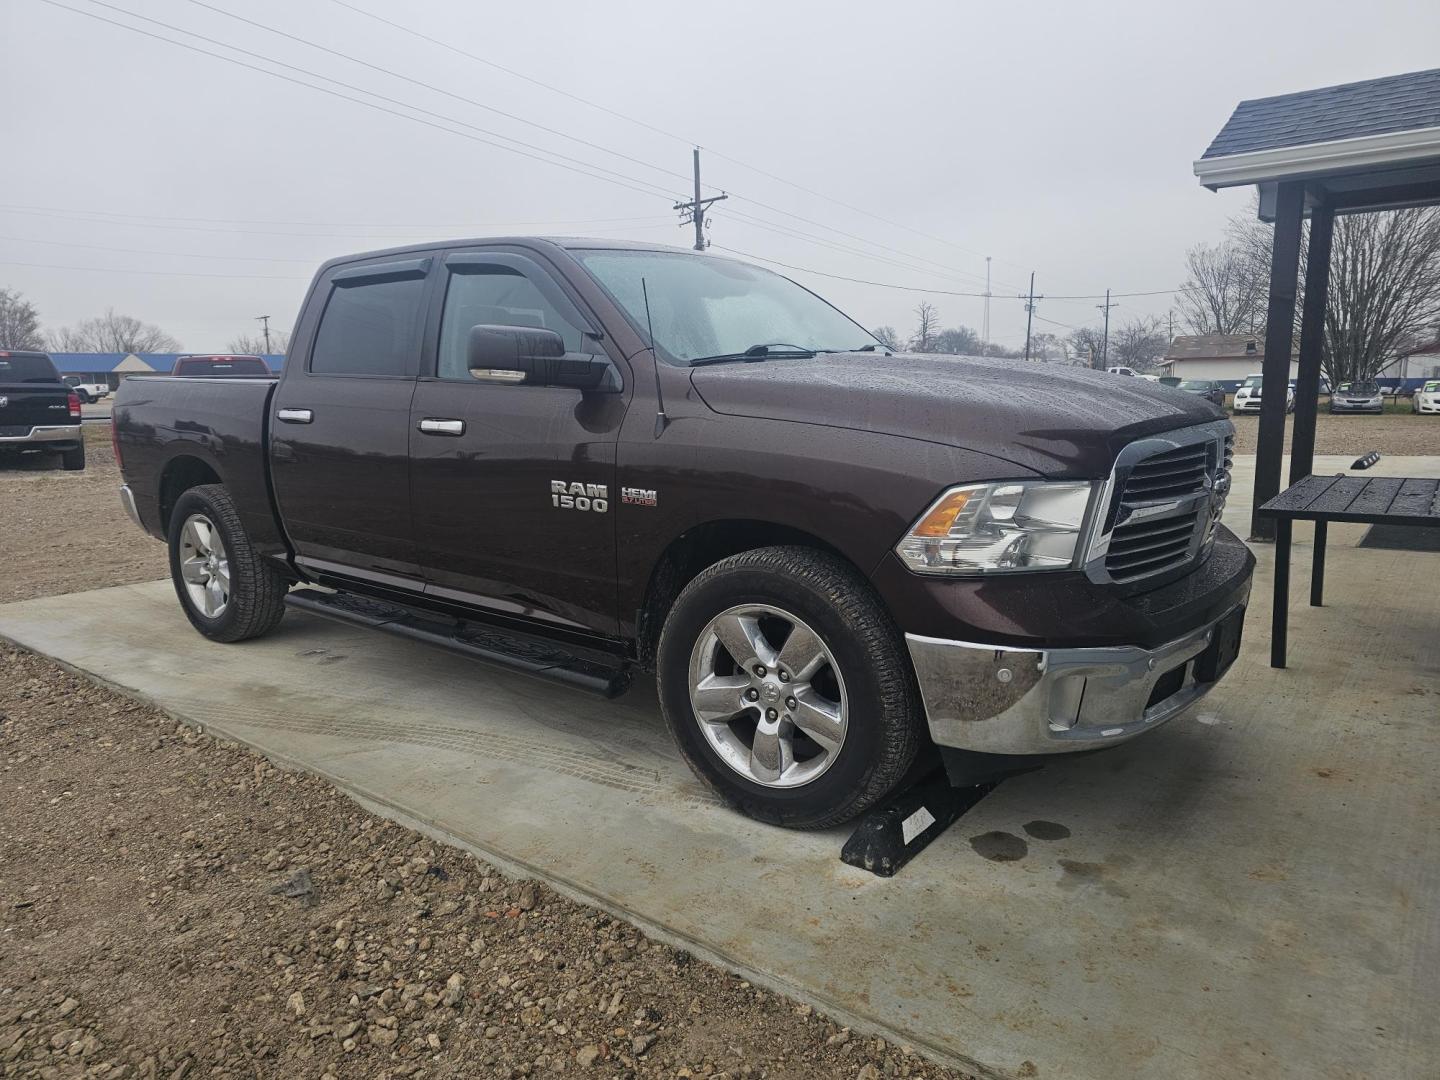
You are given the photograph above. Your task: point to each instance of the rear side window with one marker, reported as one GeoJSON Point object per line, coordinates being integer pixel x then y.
{"type": "Point", "coordinates": [27, 369]}
{"type": "Point", "coordinates": [222, 365]}
{"type": "Point", "coordinates": [370, 328]}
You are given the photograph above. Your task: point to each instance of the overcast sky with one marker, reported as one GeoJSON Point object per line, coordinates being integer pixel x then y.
{"type": "Point", "coordinates": [197, 194]}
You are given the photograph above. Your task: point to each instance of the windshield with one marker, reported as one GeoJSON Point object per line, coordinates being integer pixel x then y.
{"type": "Point", "coordinates": [1254, 381]}
{"type": "Point", "coordinates": [1430, 388]}
{"type": "Point", "coordinates": [703, 306]}
{"type": "Point", "coordinates": [1194, 384]}
{"type": "Point", "coordinates": [15, 369]}
{"type": "Point", "coordinates": [1359, 388]}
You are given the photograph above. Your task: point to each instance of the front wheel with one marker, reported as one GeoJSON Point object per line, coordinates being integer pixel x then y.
{"type": "Point", "coordinates": [228, 590]}
{"type": "Point", "coordinates": [786, 686]}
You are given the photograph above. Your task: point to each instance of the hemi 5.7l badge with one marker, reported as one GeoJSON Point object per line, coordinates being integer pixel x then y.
{"type": "Point", "coordinates": [577, 496]}
{"type": "Point", "coordinates": [639, 496]}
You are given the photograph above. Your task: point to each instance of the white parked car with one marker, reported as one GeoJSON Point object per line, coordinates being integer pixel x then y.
{"type": "Point", "coordinates": [1247, 398]}
{"type": "Point", "coordinates": [1120, 370]}
{"type": "Point", "coordinates": [1427, 398]}
{"type": "Point", "coordinates": [87, 391]}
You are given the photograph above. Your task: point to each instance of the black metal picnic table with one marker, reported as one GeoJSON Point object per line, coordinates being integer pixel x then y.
{"type": "Point", "coordinates": [1367, 500]}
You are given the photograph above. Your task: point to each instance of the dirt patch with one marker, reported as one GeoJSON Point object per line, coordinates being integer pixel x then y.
{"type": "Point", "coordinates": [1392, 433]}
{"type": "Point", "coordinates": [172, 906]}
{"type": "Point", "coordinates": [66, 532]}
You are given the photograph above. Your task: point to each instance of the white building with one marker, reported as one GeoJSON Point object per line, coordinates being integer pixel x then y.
{"type": "Point", "coordinates": [1227, 358]}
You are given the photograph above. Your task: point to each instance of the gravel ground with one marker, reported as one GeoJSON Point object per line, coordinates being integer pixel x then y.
{"type": "Point", "coordinates": [1391, 433]}
{"type": "Point", "coordinates": [64, 532]}
{"type": "Point", "coordinates": [171, 907]}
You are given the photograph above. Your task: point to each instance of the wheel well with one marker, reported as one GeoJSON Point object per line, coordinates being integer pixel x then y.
{"type": "Point", "coordinates": [180, 475]}
{"type": "Point", "coordinates": [694, 550]}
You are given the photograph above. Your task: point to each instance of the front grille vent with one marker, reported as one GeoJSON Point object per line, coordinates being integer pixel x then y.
{"type": "Point", "coordinates": [1164, 510]}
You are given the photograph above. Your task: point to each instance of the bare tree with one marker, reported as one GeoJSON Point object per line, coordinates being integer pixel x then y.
{"type": "Point", "coordinates": [927, 328]}
{"type": "Point", "coordinates": [1384, 284]}
{"type": "Point", "coordinates": [960, 340]}
{"type": "Point", "coordinates": [1138, 343]}
{"type": "Point", "coordinates": [1384, 290]}
{"type": "Point", "coordinates": [1047, 346]}
{"type": "Point", "coordinates": [113, 333]}
{"type": "Point", "coordinates": [1087, 345]}
{"type": "Point", "coordinates": [1221, 294]}
{"type": "Point", "coordinates": [889, 337]}
{"type": "Point", "coordinates": [19, 323]}
{"type": "Point", "coordinates": [247, 344]}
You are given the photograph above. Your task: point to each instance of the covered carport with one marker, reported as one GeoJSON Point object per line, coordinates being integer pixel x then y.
{"type": "Point", "coordinates": [1351, 149]}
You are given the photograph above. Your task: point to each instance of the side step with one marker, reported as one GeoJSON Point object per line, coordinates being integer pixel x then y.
{"type": "Point", "coordinates": [595, 672]}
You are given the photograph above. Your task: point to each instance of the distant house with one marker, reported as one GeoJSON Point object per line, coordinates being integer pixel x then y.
{"type": "Point", "coordinates": [1417, 364]}
{"type": "Point", "coordinates": [1226, 358]}
{"type": "Point", "coordinates": [110, 368]}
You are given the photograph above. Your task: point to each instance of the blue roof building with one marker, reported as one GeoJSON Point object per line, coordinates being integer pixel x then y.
{"type": "Point", "coordinates": [112, 367]}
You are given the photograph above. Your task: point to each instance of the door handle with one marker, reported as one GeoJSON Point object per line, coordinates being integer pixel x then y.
{"type": "Point", "coordinates": [433, 426]}
{"type": "Point", "coordinates": [294, 416]}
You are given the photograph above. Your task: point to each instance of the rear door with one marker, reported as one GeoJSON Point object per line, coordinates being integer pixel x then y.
{"type": "Point", "coordinates": [340, 419]}
{"type": "Point", "coordinates": [486, 457]}
{"type": "Point", "coordinates": [31, 394]}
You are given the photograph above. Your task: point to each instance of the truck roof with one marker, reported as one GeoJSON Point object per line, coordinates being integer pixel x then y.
{"type": "Point", "coordinates": [563, 243]}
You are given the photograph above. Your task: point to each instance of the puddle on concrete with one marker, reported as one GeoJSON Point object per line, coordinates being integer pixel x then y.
{"type": "Point", "coordinates": [1000, 846]}
{"type": "Point", "coordinates": [1046, 830]}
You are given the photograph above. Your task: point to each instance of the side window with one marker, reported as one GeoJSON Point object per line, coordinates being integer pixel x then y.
{"type": "Point", "coordinates": [369, 328]}
{"type": "Point", "coordinates": [494, 295]}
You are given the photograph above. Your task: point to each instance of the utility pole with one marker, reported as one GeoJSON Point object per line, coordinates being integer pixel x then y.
{"type": "Point", "coordinates": [264, 320]}
{"type": "Point", "coordinates": [1171, 313]}
{"type": "Point", "coordinates": [1030, 312]}
{"type": "Point", "coordinates": [695, 210]}
{"type": "Point", "coordinates": [1105, 341]}
{"type": "Point", "coordinates": [985, 323]}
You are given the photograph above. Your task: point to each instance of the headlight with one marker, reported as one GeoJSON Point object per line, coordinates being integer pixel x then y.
{"type": "Point", "coordinates": [988, 528]}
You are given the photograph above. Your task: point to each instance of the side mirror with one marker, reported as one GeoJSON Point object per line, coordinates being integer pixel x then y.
{"type": "Point", "coordinates": [529, 354]}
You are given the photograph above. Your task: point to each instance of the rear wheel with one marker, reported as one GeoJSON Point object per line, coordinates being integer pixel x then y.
{"type": "Point", "coordinates": [786, 687]}
{"type": "Point", "coordinates": [73, 460]}
{"type": "Point", "coordinates": [229, 591]}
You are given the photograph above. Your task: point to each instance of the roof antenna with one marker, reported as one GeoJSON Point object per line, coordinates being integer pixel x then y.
{"type": "Point", "coordinates": [661, 420]}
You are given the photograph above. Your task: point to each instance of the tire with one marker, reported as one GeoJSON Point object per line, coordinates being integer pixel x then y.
{"type": "Point", "coordinates": [864, 668]}
{"type": "Point", "coordinates": [84, 396]}
{"type": "Point", "coordinates": [255, 601]}
{"type": "Point", "coordinates": [73, 460]}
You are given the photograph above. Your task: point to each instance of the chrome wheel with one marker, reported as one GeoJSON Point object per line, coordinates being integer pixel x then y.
{"type": "Point", "coordinates": [768, 695]}
{"type": "Point", "coordinates": [204, 566]}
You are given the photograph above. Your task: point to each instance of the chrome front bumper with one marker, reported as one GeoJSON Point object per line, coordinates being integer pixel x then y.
{"type": "Point", "coordinates": [1048, 701]}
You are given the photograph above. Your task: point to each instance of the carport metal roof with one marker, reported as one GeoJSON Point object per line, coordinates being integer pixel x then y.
{"type": "Point", "coordinates": [1355, 148]}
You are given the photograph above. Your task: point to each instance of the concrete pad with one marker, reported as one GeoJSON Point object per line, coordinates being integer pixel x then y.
{"type": "Point", "coordinates": [1253, 890]}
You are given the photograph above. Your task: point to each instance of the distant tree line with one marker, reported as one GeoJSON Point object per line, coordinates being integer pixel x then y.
{"type": "Point", "coordinates": [112, 332]}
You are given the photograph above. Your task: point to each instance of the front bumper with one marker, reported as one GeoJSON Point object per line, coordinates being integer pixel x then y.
{"type": "Point", "coordinates": [998, 700]}
{"type": "Point", "coordinates": [1345, 406]}
{"type": "Point", "coordinates": [1247, 404]}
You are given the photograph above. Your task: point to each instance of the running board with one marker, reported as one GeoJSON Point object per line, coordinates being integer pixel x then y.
{"type": "Point", "coordinates": [530, 654]}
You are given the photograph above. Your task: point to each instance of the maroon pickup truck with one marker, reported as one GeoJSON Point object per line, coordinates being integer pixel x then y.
{"type": "Point", "coordinates": [585, 459]}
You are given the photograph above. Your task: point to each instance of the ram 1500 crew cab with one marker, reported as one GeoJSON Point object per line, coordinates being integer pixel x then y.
{"type": "Point", "coordinates": [833, 557]}
{"type": "Point", "coordinates": [39, 414]}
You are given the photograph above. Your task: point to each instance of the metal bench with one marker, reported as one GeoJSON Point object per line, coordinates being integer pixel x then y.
{"type": "Point", "coordinates": [1366, 500]}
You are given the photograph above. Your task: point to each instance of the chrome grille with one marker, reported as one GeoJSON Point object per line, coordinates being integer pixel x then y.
{"type": "Point", "coordinates": [1166, 502]}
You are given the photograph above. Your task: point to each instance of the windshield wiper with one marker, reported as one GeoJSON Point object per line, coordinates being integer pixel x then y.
{"type": "Point", "coordinates": [774, 351]}
{"type": "Point", "coordinates": [863, 348]}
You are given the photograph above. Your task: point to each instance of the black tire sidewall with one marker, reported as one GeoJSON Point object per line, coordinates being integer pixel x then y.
{"type": "Point", "coordinates": [198, 502]}
{"type": "Point", "coordinates": [852, 769]}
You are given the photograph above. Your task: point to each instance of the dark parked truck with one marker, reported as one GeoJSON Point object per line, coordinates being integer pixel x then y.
{"type": "Point", "coordinates": [39, 413]}
{"type": "Point", "coordinates": [833, 558]}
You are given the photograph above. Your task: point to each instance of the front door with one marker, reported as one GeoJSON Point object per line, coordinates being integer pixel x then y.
{"type": "Point", "coordinates": [513, 485]}
{"type": "Point", "coordinates": [339, 423]}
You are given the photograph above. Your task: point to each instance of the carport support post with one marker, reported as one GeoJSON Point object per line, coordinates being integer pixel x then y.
{"type": "Point", "coordinates": [1279, 337]}
{"type": "Point", "coordinates": [1312, 340]}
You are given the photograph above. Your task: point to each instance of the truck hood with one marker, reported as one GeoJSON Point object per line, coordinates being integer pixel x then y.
{"type": "Point", "coordinates": [1055, 420]}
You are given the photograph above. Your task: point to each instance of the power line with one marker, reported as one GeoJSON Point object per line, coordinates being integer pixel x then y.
{"type": "Point", "coordinates": [160, 273]}
{"type": "Point", "coordinates": [333, 224]}
{"type": "Point", "coordinates": [436, 89]}
{"type": "Point", "coordinates": [145, 251]}
{"type": "Point", "coordinates": [611, 178]}
{"type": "Point", "coordinates": [842, 277]}
{"type": "Point", "coordinates": [659, 131]}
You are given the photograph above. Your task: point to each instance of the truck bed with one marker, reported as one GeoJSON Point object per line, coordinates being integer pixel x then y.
{"type": "Point", "coordinates": [167, 427]}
